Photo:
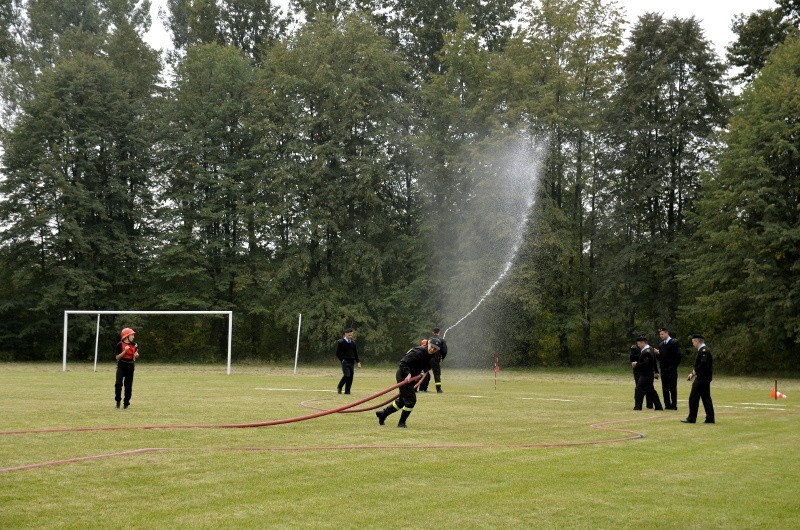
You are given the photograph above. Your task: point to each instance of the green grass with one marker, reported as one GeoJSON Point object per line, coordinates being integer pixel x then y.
{"type": "Point", "coordinates": [461, 464]}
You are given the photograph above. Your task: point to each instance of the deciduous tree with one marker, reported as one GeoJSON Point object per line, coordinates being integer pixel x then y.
{"type": "Point", "coordinates": [743, 274]}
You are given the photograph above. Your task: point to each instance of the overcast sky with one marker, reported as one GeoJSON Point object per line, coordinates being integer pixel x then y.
{"type": "Point", "coordinates": [715, 17]}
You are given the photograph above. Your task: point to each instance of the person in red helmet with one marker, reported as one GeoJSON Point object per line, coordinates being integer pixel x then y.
{"type": "Point", "coordinates": [126, 353]}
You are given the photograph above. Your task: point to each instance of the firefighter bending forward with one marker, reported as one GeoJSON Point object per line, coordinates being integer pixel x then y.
{"type": "Point", "coordinates": [416, 361]}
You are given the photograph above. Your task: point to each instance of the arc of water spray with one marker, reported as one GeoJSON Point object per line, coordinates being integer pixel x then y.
{"type": "Point", "coordinates": [520, 232]}
{"type": "Point", "coordinates": [491, 288]}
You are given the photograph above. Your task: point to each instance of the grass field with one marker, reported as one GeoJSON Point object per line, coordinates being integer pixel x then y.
{"type": "Point", "coordinates": [542, 449]}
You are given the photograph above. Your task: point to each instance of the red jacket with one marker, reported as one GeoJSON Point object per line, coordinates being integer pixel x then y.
{"type": "Point", "coordinates": [128, 351]}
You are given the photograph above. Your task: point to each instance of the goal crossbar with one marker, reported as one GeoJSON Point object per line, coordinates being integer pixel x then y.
{"type": "Point", "coordinates": [68, 312]}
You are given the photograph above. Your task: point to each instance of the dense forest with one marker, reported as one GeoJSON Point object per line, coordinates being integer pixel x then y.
{"type": "Point", "coordinates": [386, 165]}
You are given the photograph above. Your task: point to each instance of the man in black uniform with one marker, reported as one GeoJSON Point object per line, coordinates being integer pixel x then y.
{"type": "Point", "coordinates": [634, 358]}
{"type": "Point", "coordinates": [648, 371]}
{"type": "Point", "coordinates": [436, 367]}
{"type": "Point", "coordinates": [669, 357]}
{"type": "Point", "coordinates": [414, 362]}
{"type": "Point", "coordinates": [347, 353]}
{"type": "Point", "coordinates": [701, 387]}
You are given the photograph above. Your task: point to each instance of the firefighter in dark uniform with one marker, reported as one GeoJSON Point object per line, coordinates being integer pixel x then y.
{"type": "Point", "coordinates": [436, 367]}
{"type": "Point", "coordinates": [634, 358]}
{"type": "Point", "coordinates": [347, 353]}
{"type": "Point", "coordinates": [669, 358]}
{"type": "Point", "coordinates": [126, 353]}
{"type": "Point", "coordinates": [647, 371]}
{"type": "Point", "coordinates": [416, 361]}
{"type": "Point", "coordinates": [701, 387]}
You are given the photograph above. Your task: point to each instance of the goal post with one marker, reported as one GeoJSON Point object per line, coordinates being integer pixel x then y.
{"type": "Point", "coordinates": [68, 312]}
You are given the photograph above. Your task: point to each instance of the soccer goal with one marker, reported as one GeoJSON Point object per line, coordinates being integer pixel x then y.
{"type": "Point", "coordinates": [69, 312]}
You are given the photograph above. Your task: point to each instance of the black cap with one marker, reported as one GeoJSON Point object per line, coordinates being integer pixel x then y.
{"type": "Point", "coordinates": [697, 336]}
{"type": "Point", "coordinates": [641, 338]}
{"type": "Point", "coordinates": [435, 341]}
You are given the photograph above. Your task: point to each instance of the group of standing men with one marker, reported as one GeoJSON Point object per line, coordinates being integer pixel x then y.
{"type": "Point", "coordinates": [421, 360]}
{"type": "Point", "coordinates": [646, 360]}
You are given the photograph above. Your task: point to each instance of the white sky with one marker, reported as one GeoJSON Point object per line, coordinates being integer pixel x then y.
{"type": "Point", "coordinates": [715, 17]}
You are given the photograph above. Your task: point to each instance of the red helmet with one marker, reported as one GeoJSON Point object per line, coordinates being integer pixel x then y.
{"type": "Point", "coordinates": [126, 333]}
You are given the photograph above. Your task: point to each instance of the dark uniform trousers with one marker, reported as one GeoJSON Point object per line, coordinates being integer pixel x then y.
{"type": "Point", "coordinates": [669, 387]}
{"type": "Point", "coordinates": [348, 372]}
{"type": "Point", "coordinates": [124, 377]}
{"type": "Point", "coordinates": [645, 388]}
{"type": "Point", "coordinates": [701, 390]}
{"type": "Point", "coordinates": [648, 397]}
{"type": "Point", "coordinates": [406, 400]}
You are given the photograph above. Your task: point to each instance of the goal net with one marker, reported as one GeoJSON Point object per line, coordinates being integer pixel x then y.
{"type": "Point", "coordinates": [69, 312]}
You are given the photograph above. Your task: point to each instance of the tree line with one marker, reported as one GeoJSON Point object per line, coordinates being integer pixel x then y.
{"type": "Point", "coordinates": [340, 160]}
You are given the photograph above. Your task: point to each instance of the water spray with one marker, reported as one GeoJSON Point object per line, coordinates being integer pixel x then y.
{"type": "Point", "coordinates": [523, 169]}
{"type": "Point", "coordinates": [488, 291]}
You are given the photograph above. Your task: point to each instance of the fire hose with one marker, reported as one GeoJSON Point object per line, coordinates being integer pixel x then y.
{"type": "Point", "coordinates": [420, 378]}
{"type": "Point", "coordinates": [342, 408]}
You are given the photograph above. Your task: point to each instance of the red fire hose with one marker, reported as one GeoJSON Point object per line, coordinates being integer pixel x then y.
{"type": "Point", "coordinates": [343, 408]}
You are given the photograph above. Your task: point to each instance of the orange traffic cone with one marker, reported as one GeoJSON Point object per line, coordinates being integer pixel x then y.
{"type": "Point", "coordinates": [775, 395]}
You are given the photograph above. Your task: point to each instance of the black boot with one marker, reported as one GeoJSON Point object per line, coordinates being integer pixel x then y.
{"type": "Point", "coordinates": [383, 414]}
{"type": "Point", "coordinates": [403, 417]}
